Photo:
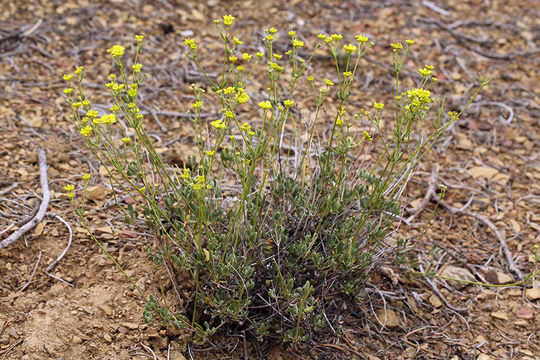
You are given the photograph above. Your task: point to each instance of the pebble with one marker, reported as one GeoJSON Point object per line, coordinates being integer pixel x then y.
{"type": "Point", "coordinates": [388, 318]}
{"type": "Point", "coordinates": [499, 315]}
{"type": "Point", "coordinates": [458, 273]}
{"type": "Point", "coordinates": [532, 294]}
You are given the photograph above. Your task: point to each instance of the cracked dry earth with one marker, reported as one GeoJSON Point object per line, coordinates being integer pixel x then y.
{"type": "Point", "coordinates": [490, 162]}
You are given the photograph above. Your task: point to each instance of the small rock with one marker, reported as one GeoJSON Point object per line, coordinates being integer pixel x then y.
{"type": "Point", "coordinates": [532, 294]}
{"type": "Point", "coordinates": [107, 338]}
{"type": "Point", "coordinates": [131, 326]}
{"type": "Point", "coordinates": [76, 340]}
{"type": "Point", "coordinates": [409, 353]}
{"type": "Point", "coordinates": [435, 301]}
{"type": "Point", "coordinates": [522, 323]}
{"type": "Point", "coordinates": [499, 315]}
{"type": "Point", "coordinates": [503, 278]}
{"type": "Point", "coordinates": [488, 307]}
{"type": "Point", "coordinates": [458, 273]}
{"type": "Point", "coordinates": [484, 357]}
{"type": "Point", "coordinates": [388, 318]}
{"type": "Point", "coordinates": [514, 292]}
{"type": "Point", "coordinates": [525, 312]}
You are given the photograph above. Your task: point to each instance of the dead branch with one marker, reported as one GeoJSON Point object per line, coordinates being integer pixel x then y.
{"type": "Point", "coordinates": [55, 262]}
{"type": "Point", "coordinates": [42, 158]}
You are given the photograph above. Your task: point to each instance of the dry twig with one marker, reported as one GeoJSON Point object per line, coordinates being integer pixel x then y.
{"type": "Point", "coordinates": [42, 158]}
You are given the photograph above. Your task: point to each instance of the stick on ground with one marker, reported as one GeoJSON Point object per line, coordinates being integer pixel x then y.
{"type": "Point", "coordinates": [42, 158]}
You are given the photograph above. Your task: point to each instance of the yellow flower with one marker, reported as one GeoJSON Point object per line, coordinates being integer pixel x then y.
{"type": "Point", "coordinates": [86, 177]}
{"type": "Point", "coordinates": [245, 126]}
{"type": "Point", "coordinates": [361, 38]}
{"type": "Point", "coordinates": [108, 119]}
{"type": "Point", "coordinates": [92, 114]}
{"type": "Point", "coordinates": [210, 153]}
{"type": "Point", "coordinates": [349, 48]}
{"type": "Point", "coordinates": [336, 36]}
{"type": "Point", "coordinates": [69, 187]}
{"type": "Point", "coordinates": [272, 30]}
{"type": "Point", "coordinates": [86, 103]}
{"type": "Point", "coordinates": [310, 78]}
{"type": "Point", "coordinates": [236, 41]}
{"type": "Point", "coordinates": [126, 140]}
{"type": "Point", "coordinates": [298, 44]}
{"type": "Point", "coordinates": [228, 20]}
{"type": "Point", "coordinates": [292, 33]}
{"type": "Point", "coordinates": [259, 54]}
{"type": "Point", "coordinates": [397, 46]}
{"type": "Point", "coordinates": [139, 38]}
{"type": "Point", "coordinates": [112, 76]}
{"type": "Point", "coordinates": [339, 122]}
{"type": "Point", "coordinates": [321, 36]}
{"type": "Point", "coordinates": [70, 195]}
{"type": "Point", "coordinates": [191, 43]}
{"type": "Point", "coordinates": [425, 72]}
{"type": "Point", "coordinates": [409, 42]}
{"type": "Point", "coordinates": [367, 136]}
{"type": "Point", "coordinates": [246, 57]}
{"type": "Point", "coordinates": [67, 77]}
{"type": "Point", "coordinates": [68, 91]}
{"type": "Point", "coordinates": [77, 104]}
{"type": "Point", "coordinates": [78, 70]}
{"type": "Point", "coordinates": [378, 106]}
{"type": "Point", "coordinates": [429, 67]}
{"type": "Point", "coordinates": [229, 114]}
{"type": "Point", "coordinates": [278, 57]}
{"type": "Point", "coordinates": [229, 90]}
{"type": "Point", "coordinates": [265, 105]}
{"type": "Point", "coordinates": [218, 124]}
{"type": "Point", "coordinates": [132, 92]}
{"type": "Point", "coordinates": [116, 51]}
{"type": "Point", "coordinates": [328, 82]}
{"type": "Point", "coordinates": [242, 98]}
{"type": "Point", "coordinates": [137, 67]}
{"type": "Point", "coordinates": [86, 131]}
{"type": "Point", "coordinates": [347, 74]}
{"type": "Point", "coordinates": [288, 103]}
{"type": "Point", "coordinates": [269, 37]}
{"type": "Point", "coordinates": [196, 105]}
{"type": "Point", "coordinates": [233, 58]}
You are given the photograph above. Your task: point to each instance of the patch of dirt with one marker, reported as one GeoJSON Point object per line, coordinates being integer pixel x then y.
{"type": "Point", "coordinates": [490, 162]}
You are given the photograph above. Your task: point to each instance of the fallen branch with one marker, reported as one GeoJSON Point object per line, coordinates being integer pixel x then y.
{"type": "Point", "coordinates": [42, 158]}
{"type": "Point", "coordinates": [55, 262]}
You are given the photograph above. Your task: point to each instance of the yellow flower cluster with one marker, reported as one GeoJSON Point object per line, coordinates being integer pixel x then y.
{"type": "Point", "coordinates": [78, 70]}
{"type": "Point", "coordinates": [86, 177]}
{"type": "Point", "coordinates": [409, 42]}
{"type": "Point", "coordinates": [361, 38]}
{"type": "Point", "coordinates": [196, 105]}
{"type": "Point", "coordinates": [328, 82]}
{"type": "Point", "coordinates": [191, 43]}
{"type": "Point", "coordinates": [367, 136]}
{"type": "Point", "coordinates": [116, 51]}
{"type": "Point", "coordinates": [139, 38]}
{"type": "Point", "coordinates": [137, 68]}
{"type": "Point", "coordinates": [426, 71]}
{"type": "Point", "coordinates": [349, 49]}
{"type": "Point", "coordinates": [236, 41]}
{"type": "Point", "coordinates": [378, 106]}
{"type": "Point", "coordinates": [68, 91]}
{"type": "Point", "coordinates": [288, 103]}
{"type": "Point", "coordinates": [218, 124]}
{"type": "Point", "coordinates": [397, 46]}
{"type": "Point", "coordinates": [242, 97]}
{"type": "Point", "coordinates": [86, 131]}
{"type": "Point", "coordinates": [297, 43]}
{"type": "Point", "coordinates": [265, 105]}
{"type": "Point", "coordinates": [421, 95]}
{"type": "Point", "coordinates": [67, 77]}
{"type": "Point", "coordinates": [228, 19]}
{"type": "Point", "coordinates": [69, 189]}
{"type": "Point", "coordinates": [108, 119]}
{"type": "Point", "coordinates": [246, 57]}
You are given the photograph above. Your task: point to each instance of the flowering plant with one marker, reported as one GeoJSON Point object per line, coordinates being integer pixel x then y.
{"type": "Point", "coordinates": [274, 227]}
